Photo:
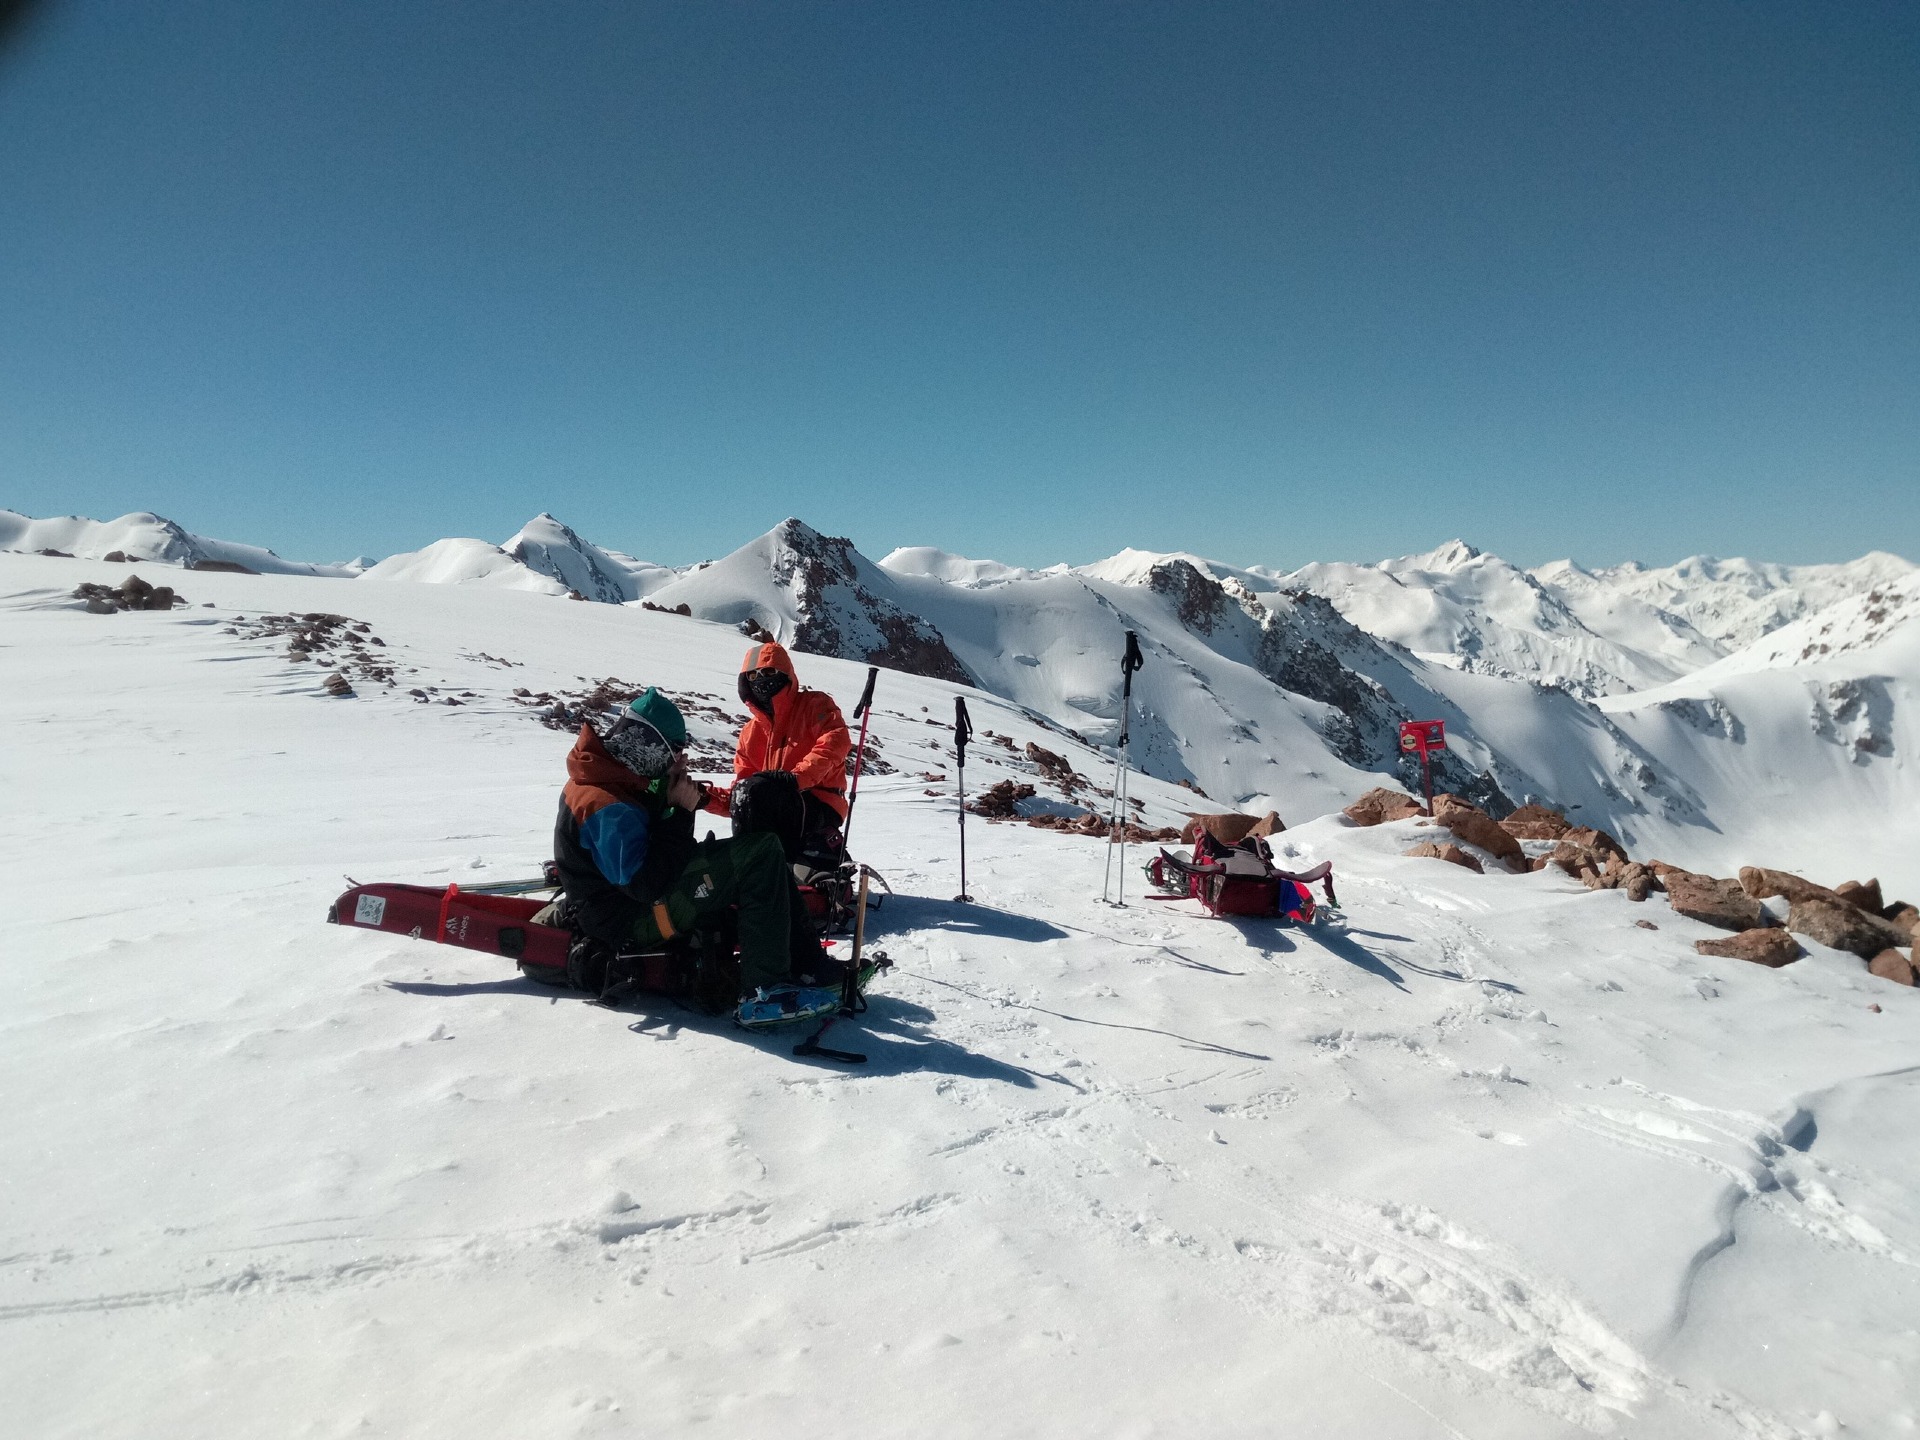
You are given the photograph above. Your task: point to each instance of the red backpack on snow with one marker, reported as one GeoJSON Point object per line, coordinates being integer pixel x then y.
{"type": "Point", "coordinates": [1239, 880]}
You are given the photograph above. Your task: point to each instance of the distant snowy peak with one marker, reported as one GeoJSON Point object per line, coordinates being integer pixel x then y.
{"type": "Point", "coordinates": [1855, 626]}
{"type": "Point", "coordinates": [548, 547]}
{"type": "Point", "coordinates": [150, 539]}
{"type": "Point", "coordinates": [464, 561]}
{"type": "Point", "coordinates": [1454, 555]}
{"type": "Point", "coordinates": [1636, 624]}
{"type": "Point", "coordinates": [1460, 607]}
{"type": "Point", "coordinates": [926, 563]}
{"type": "Point", "coordinates": [815, 593]}
{"type": "Point", "coordinates": [1137, 567]}
{"type": "Point", "coordinates": [1607, 631]}
{"type": "Point", "coordinates": [1735, 602]}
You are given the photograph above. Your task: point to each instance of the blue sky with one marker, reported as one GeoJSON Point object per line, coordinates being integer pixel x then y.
{"type": "Point", "coordinates": [1269, 282]}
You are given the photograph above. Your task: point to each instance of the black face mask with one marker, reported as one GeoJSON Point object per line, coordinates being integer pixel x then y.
{"type": "Point", "coordinates": [758, 687]}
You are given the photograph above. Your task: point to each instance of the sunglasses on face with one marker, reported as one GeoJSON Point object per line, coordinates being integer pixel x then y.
{"type": "Point", "coordinates": [758, 687]}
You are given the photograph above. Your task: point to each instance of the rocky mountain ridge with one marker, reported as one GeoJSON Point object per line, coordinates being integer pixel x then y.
{"type": "Point", "coordinates": [1287, 689]}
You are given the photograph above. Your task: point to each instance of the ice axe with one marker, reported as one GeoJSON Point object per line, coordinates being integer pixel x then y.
{"type": "Point", "coordinates": [1130, 664]}
{"type": "Point", "coordinates": [863, 712]}
{"type": "Point", "coordinates": [962, 733]}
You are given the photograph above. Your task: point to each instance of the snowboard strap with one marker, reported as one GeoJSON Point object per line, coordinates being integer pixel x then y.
{"type": "Point", "coordinates": [446, 908]}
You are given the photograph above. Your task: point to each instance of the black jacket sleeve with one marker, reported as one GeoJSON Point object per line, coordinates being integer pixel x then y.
{"type": "Point", "coordinates": [669, 850]}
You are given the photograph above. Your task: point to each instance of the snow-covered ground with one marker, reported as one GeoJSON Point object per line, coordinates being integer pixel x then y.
{"type": "Point", "coordinates": [1494, 1162]}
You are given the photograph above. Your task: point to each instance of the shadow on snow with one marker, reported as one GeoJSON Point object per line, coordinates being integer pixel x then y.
{"type": "Point", "coordinates": [921, 912]}
{"type": "Point", "coordinates": [890, 1033]}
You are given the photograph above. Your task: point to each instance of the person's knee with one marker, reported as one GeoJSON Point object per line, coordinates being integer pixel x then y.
{"type": "Point", "coordinates": [758, 856]}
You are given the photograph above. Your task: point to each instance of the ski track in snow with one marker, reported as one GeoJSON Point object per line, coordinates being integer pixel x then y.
{"type": "Point", "coordinates": [1480, 1163]}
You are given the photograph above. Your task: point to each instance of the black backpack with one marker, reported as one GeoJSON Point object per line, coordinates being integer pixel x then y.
{"type": "Point", "coordinates": [770, 802]}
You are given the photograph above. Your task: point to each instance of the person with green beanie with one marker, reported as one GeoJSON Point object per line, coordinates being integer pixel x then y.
{"type": "Point", "coordinates": [633, 874]}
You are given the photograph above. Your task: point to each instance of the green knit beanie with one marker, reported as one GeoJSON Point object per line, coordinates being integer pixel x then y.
{"type": "Point", "coordinates": [663, 715]}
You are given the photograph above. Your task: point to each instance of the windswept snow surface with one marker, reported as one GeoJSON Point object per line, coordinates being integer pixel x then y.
{"type": "Point", "coordinates": [1492, 1162]}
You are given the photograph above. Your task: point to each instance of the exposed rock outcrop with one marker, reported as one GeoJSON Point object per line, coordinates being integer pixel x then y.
{"type": "Point", "coordinates": [1842, 926]}
{"type": "Point", "coordinates": [1001, 800]}
{"type": "Point", "coordinates": [1770, 947]}
{"type": "Point", "coordinates": [1598, 841]}
{"type": "Point", "coordinates": [1452, 854]}
{"type": "Point", "coordinates": [1720, 903]}
{"type": "Point", "coordinates": [1057, 769]}
{"type": "Point", "coordinates": [551, 548]}
{"type": "Point", "coordinates": [1380, 805]}
{"type": "Point", "coordinates": [1199, 600]}
{"type": "Point", "coordinates": [1473, 825]}
{"type": "Point", "coordinates": [1892, 965]}
{"type": "Point", "coordinates": [1535, 822]}
{"type": "Point", "coordinates": [1636, 880]}
{"type": "Point", "coordinates": [1866, 895]}
{"type": "Point", "coordinates": [132, 593]}
{"type": "Point", "coordinates": [1765, 884]}
{"type": "Point", "coordinates": [839, 615]}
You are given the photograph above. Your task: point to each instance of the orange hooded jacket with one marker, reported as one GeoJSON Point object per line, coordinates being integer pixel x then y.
{"type": "Point", "coordinates": [805, 734]}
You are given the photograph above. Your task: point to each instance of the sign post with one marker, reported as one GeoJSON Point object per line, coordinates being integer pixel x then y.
{"type": "Point", "coordinates": [1424, 736]}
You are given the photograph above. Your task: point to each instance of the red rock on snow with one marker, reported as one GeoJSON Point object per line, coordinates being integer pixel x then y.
{"type": "Point", "coordinates": [1452, 854]}
{"type": "Point", "coordinates": [1535, 822]}
{"type": "Point", "coordinates": [1714, 902]}
{"type": "Point", "coordinates": [1769, 947]}
{"type": "Point", "coordinates": [1765, 884]}
{"type": "Point", "coordinates": [1380, 805]}
{"type": "Point", "coordinates": [1473, 825]}
{"type": "Point", "coordinates": [1892, 965]}
{"type": "Point", "coordinates": [1840, 925]}
{"type": "Point", "coordinates": [1867, 896]}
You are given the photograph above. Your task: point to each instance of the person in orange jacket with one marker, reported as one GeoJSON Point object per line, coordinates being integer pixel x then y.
{"type": "Point", "coordinates": [791, 728]}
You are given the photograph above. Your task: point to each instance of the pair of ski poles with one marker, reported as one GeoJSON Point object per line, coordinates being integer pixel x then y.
{"type": "Point", "coordinates": [962, 733]}
{"type": "Point", "coordinates": [1117, 821]}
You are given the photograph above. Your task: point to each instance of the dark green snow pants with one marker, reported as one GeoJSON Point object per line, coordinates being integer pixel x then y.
{"type": "Point", "coordinates": [751, 872]}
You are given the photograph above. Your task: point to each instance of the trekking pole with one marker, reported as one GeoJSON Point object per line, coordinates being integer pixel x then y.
{"type": "Point", "coordinates": [962, 732]}
{"type": "Point", "coordinates": [863, 712]}
{"type": "Point", "coordinates": [1130, 664]}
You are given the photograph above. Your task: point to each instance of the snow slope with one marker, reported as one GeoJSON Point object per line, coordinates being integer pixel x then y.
{"type": "Point", "coordinates": [1800, 744]}
{"type": "Point", "coordinates": [150, 538]}
{"type": "Point", "coordinates": [1495, 1162]}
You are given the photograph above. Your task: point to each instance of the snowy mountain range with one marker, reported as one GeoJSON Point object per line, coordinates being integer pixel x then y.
{"type": "Point", "coordinates": [1608, 691]}
{"type": "Point", "coordinates": [1496, 1154]}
